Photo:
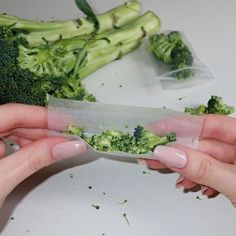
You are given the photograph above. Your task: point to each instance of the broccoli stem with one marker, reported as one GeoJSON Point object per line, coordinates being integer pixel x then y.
{"type": "Point", "coordinates": [82, 55]}
{"type": "Point", "coordinates": [106, 56]}
{"type": "Point", "coordinates": [37, 31]}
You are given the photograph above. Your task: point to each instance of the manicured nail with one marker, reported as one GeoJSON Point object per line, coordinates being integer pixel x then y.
{"type": "Point", "coordinates": [170, 156]}
{"type": "Point", "coordinates": [179, 180]}
{"type": "Point", "coordinates": [68, 149]}
{"type": "Point", "coordinates": [204, 189]}
{"type": "Point", "coordinates": [142, 162]}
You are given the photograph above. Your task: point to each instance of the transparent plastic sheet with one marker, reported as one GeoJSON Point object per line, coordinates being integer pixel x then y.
{"type": "Point", "coordinates": [97, 117]}
{"type": "Point", "coordinates": [167, 76]}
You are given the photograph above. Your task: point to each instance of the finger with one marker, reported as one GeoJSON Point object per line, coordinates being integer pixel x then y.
{"type": "Point", "coordinates": [19, 115]}
{"type": "Point", "coordinates": [182, 125]}
{"type": "Point", "coordinates": [19, 140]}
{"type": "Point", "coordinates": [219, 150]}
{"type": "Point", "coordinates": [199, 168]}
{"type": "Point", "coordinates": [23, 163]}
{"type": "Point", "coordinates": [218, 127]}
{"type": "Point", "coordinates": [152, 164]}
{"type": "Point", "coordinates": [209, 192]}
{"type": "Point", "coordinates": [32, 134]}
{"type": "Point", "coordinates": [185, 183]}
{"type": "Point", "coordinates": [2, 148]}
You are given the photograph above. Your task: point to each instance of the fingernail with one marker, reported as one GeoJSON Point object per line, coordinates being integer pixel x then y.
{"type": "Point", "coordinates": [170, 156]}
{"type": "Point", "coordinates": [142, 162]}
{"type": "Point", "coordinates": [66, 150]}
{"type": "Point", "coordinates": [204, 189]}
{"type": "Point", "coordinates": [179, 181]}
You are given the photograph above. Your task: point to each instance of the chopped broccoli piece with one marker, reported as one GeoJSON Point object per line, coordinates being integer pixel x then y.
{"type": "Point", "coordinates": [201, 109]}
{"type": "Point", "coordinates": [148, 141]}
{"type": "Point", "coordinates": [75, 130]}
{"type": "Point", "coordinates": [141, 142]}
{"type": "Point", "coordinates": [215, 105]}
{"type": "Point", "coordinates": [172, 50]}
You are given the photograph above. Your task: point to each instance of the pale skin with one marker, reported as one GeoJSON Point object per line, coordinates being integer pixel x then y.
{"type": "Point", "coordinates": [212, 165]}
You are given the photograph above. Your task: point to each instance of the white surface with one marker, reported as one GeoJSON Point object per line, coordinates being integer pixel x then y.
{"type": "Point", "coordinates": [51, 203]}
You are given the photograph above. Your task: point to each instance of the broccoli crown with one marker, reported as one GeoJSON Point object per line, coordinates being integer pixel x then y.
{"type": "Point", "coordinates": [57, 58]}
{"type": "Point", "coordinates": [172, 50]}
{"type": "Point", "coordinates": [141, 142]}
{"type": "Point", "coordinates": [215, 105]}
{"type": "Point", "coordinates": [16, 84]}
{"type": "Point", "coordinates": [22, 85]}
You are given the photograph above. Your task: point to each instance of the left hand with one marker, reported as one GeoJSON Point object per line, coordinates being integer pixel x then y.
{"type": "Point", "coordinates": [27, 126]}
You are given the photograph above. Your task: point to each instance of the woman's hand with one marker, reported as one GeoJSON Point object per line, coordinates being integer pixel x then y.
{"type": "Point", "coordinates": [27, 126]}
{"type": "Point", "coordinates": [212, 165]}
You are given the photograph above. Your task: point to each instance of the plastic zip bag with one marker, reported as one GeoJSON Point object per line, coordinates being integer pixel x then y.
{"type": "Point", "coordinates": [167, 76]}
{"type": "Point", "coordinates": [97, 117]}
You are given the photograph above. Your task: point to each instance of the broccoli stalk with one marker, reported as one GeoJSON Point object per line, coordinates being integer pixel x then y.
{"type": "Point", "coordinates": [141, 142]}
{"type": "Point", "coordinates": [57, 67]}
{"type": "Point", "coordinates": [82, 55]}
{"type": "Point", "coordinates": [172, 50]}
{"type": "Point", "coordinates": [215, 105]}
{"type": "Point", "coordinates": [36, 32]}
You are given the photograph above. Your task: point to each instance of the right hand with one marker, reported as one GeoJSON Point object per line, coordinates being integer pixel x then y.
{"type": "Point", "coordinates": [212, 165]}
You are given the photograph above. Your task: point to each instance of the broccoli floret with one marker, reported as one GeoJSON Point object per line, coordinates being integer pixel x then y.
{"type": "Point", "coordinates": [215, 105]}
{"type": "Point", "coordinates": [18, 84]}
{"type": "Point", "coordinates": [172, 50]}
{"type": "Point", "coordinates": [141, 142]}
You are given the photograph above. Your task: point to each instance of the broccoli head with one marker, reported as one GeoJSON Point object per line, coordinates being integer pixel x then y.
{"type": "Point", "coordinates": [215, 105]}
{"type": "Point", "coordinates": [21, 85]}
{"type": "Point", "coordinates": [172, 50]}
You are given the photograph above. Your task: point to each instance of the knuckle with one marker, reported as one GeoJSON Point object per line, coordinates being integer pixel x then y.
{"type": "Point", "coordinates": [203, 171]}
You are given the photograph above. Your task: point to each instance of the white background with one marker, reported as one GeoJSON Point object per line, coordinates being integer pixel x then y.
{"type": "Point", "coordinates": [52, 203]}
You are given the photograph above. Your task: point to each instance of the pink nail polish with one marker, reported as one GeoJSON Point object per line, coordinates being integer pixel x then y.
{"type": "Point", "coordinates": [180, 179]}
{"type": "Point", "coordinates": [68, 149]}
{"type": "Point", "coordinates": [204, 189]}
{"type": "Point", "coordinates": [170, 156]}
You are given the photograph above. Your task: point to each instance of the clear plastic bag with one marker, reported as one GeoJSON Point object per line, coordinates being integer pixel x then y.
{"type": "Point", "coordinates": [97, 117]}
{"type": "Point", "coordinates": [167, 76]}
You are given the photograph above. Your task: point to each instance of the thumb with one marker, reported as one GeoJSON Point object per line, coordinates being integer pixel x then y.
{"type": "Point", "coordinates": [199, 168]}
{"type": "Point", "coordinates": [31, 158]}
